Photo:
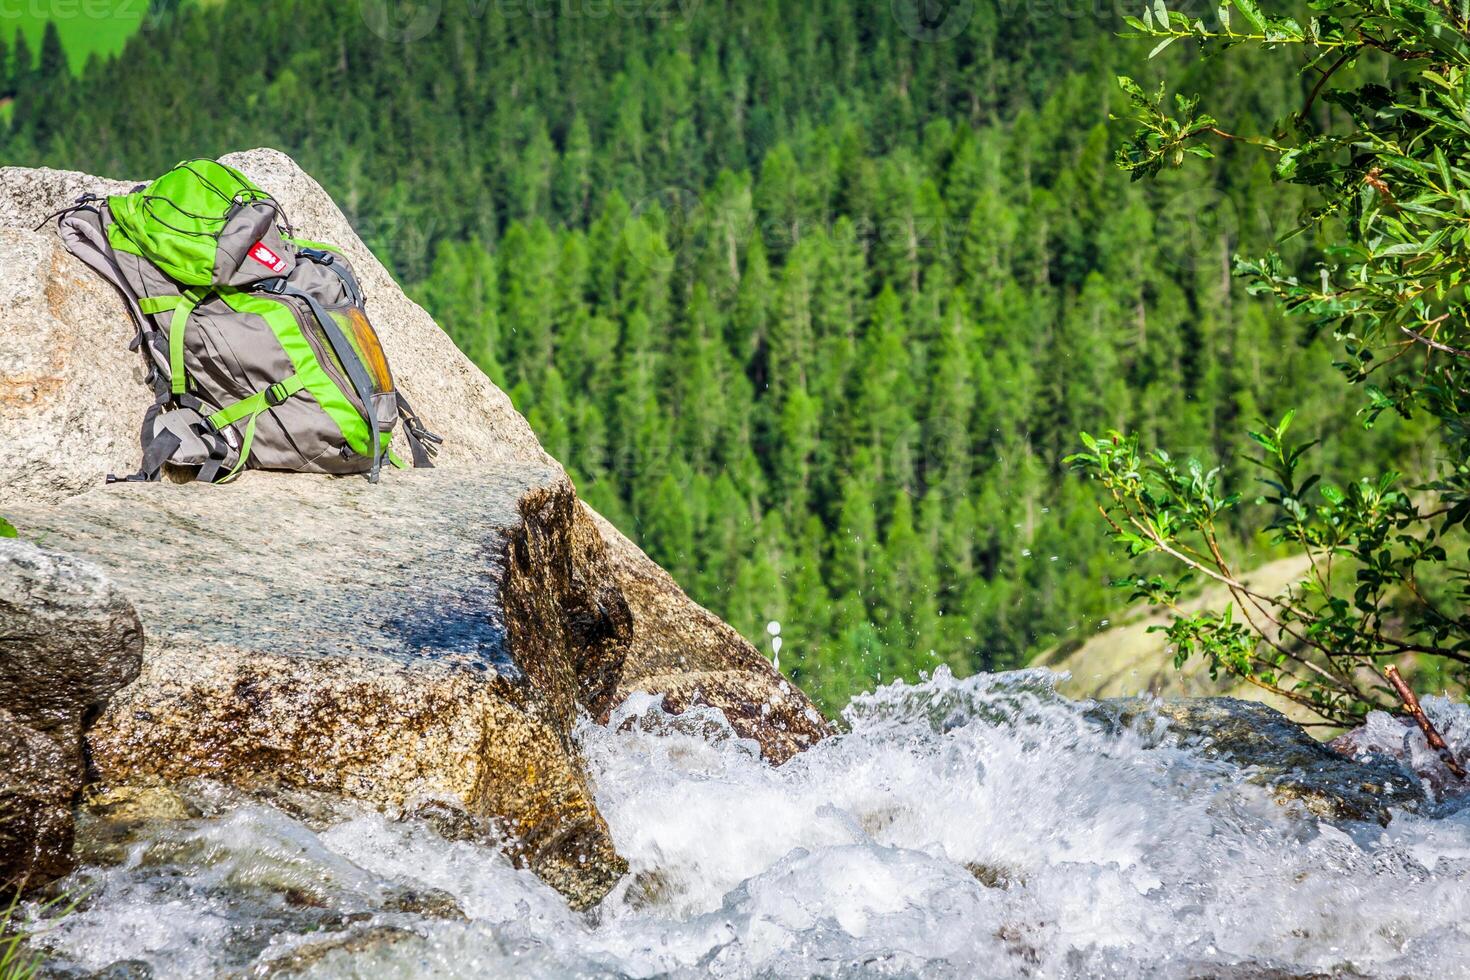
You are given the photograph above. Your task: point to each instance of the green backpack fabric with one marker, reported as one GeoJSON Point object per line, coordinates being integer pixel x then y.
{"type": "Point", "coordinates": [258, 346]}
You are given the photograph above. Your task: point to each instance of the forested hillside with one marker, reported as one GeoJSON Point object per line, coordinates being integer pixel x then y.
{"type": "Point", "coordinates": [811, 306]}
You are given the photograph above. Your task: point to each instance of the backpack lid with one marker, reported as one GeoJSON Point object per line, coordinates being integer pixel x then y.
{"type": "Point", "coordinates": [204, 224]}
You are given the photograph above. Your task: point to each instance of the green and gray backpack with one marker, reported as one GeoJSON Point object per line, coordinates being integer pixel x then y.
{"type": "Point", "coordinates": [257, 346]}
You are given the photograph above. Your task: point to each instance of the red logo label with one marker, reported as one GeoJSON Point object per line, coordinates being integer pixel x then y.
{"type": "Point", "coordinates": [267, 258]}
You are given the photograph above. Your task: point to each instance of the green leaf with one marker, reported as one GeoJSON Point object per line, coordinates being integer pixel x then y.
{"type": "Point", "coordinates": [1444, 169]}
{"type": "Point", "coordinates": [1252, 13]}
{"type": "Point", "coordinates": [7, 529]}
{"type": "Point", "coordinates": [1163, 44]}
{"type": "Point", "coordinates": [1130, 87]}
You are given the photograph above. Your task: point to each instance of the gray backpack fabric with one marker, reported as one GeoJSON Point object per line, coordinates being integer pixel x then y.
{"type": "Point", "coordinates": [257, 343]}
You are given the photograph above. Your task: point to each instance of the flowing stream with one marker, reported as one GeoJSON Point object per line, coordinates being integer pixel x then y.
{"type": "Point", "coordinates": [962, 828]}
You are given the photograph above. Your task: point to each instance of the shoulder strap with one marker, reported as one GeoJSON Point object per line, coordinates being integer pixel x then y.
{"type": "Point", "coordinates": [81, 232]}
{"type": "Point", "coordinates": [163, 433]}
{"type": "Point", "coordinates": [183, 307]}
{"type": "Point", "coordinates": [322, 257]}
{"type": "Point", "coordinates": [80, 229]}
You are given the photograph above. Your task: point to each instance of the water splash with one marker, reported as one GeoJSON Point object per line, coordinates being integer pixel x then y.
{"type": "Point", "coordinates": [1398, 737]}
{"type": "Point", "coordinates": [976, 827]}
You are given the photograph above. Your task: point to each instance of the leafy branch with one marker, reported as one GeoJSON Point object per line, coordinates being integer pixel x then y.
{"type": "Point", "coordinates": [1320, 642]}
{"type": "Point", "coordinates": [1383, 139]}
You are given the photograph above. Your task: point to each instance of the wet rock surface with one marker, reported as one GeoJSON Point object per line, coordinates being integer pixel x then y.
{"type": "Point", "coordinates": [68, 640]}
{"type": "Point", "coordinates": [692, 658]}
{"type": "Point", "coordinates": [961, 827]}
{"type": "Point", "coordinates": [1275, 753]}
{"type": "Point", "coordinates": [317, 955]}
{"type": "Point", "coordinates": [1398, 738]}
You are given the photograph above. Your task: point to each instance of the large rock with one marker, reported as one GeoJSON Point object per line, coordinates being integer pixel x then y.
{"type": "Point", "coordinates": [431, 637]}
{"type": "Point", "coordinates": [409, 644]}
{"type": "Point", "coordinates": [691, 656]}
{"type": "Point", "coordinates": [68, 640]}
{"type": "Point", "coordinates": [1274, 752]}
{"type": "Point", "coordinates": [73, 394]}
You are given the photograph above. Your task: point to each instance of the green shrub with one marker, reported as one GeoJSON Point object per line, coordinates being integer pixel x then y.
{"type": "Point", "coordinates": [1383, 141]}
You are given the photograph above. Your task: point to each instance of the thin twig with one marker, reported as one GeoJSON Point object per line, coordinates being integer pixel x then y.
{"type": "Point", "coordinates": [1316, 89]}
{"type": "Point", "coordinates": [1437, 345]}
{"type": "Point", "coordinates": [1431, 734]}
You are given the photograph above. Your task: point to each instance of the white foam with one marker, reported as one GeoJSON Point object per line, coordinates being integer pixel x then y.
{"type": "Point", "coordinates": [961, 828]}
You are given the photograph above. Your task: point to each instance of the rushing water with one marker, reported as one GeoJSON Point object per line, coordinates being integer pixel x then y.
{"type": "Point", "coordinates": [980, 827]}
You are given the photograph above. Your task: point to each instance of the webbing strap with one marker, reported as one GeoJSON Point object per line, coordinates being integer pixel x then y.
{"type": "Point", "coordinates": [244, 448]}
{"type": "Point", "coordinates": [185, 307]}
{"type": "Point", "coordinates": [422, 443]}
{"type": "Point", "coordinates": [159, 304]}
{"type": "Point", "coordinates": [268, 397]}
{"type": "Point", "coordinates": [158, 448]}
{"type": "Point", "coordinates": [349, 281]}
{"type": "Point", "coordinates": [252, 408]}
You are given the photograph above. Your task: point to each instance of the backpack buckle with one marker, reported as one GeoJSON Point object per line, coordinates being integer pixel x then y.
{"type": "Point", "coordinates": [276, 286]}
{"type": "Point", "coordinates": [276, 394]}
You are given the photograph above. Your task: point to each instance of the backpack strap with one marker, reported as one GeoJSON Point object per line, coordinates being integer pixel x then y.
{"type": "Point", "coordinates": [322, 257]}
{"type": "Point", "coordinates": [422, 443]}
{"type": "Point", "coordinates": [164, 433]}
{"type": "Point", "coordinates": [251, 408]}
{"type": "Point", "coordinates": [182, 307]}
{"type": "Point", "coordinates": [158, 447]}
{"type": "Point", "coordinates": [81, 232]}
{"type": "Point", "coordinates": [83, 203]}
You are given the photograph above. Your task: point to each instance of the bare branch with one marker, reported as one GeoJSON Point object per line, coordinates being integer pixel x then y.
{"type": "Point", "coordinates": [1431, 734]}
